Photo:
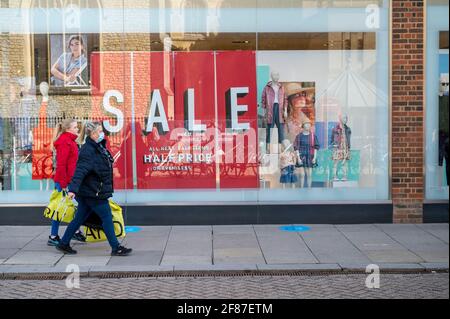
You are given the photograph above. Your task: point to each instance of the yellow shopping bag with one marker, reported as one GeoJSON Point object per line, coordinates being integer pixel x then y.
{"type": "Point", "coordinates": [61, 208]}
{"type": "Point", "coordinates": [96, 234]}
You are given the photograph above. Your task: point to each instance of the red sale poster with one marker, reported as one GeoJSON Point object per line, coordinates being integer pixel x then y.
{"type": "Point", "coordinates": [111, 104]}
{"type": "Point", "coordinates": [167, 113]}
{"type": "Point", "coordinates": [236, 91]}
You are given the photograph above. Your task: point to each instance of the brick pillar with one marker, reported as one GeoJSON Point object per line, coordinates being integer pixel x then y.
{"type": "Point", "coordinates": [408, 61]}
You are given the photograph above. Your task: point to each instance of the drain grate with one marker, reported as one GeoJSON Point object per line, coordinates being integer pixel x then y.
{"type": "Point", "coordinates": [198, 274]}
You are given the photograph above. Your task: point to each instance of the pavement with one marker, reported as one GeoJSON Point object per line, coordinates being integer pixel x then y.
{"type": "Point", "coordinates": [251, 249]}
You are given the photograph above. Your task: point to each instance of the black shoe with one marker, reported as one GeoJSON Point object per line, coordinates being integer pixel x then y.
{"type": "Point", "coordinates": [53, 241]}
{"type": "Point", "coordinates": [66, 249]}
{"type": "Point", "coordinates": [121, 251]}
{"type": "Point", "coordinates": [79, 237]}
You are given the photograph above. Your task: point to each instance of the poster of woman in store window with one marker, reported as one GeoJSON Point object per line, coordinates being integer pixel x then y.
{"type": "Point", "coordinates": [69, 64]}
{"type": "Point", "coordinates": [301, 106]}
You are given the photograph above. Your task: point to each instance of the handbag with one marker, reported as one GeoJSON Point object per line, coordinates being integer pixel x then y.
{"type": "Point", "coordinates": [93, 228]}
{"type": "Point", "coordinates": [60, 208]}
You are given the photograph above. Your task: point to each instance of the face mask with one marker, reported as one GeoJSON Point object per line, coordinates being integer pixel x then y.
{"type": "Point", "coordinates": [101, 137]}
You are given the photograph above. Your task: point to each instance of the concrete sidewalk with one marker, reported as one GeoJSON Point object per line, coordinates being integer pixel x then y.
{"type": "Point", "coordinates": [248, 248]}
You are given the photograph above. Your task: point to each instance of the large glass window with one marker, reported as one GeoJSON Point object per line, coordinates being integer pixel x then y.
{"type": "Point", "coordinates": [436, 155]}
{"type": "Point", "coordinates": [202, 101]}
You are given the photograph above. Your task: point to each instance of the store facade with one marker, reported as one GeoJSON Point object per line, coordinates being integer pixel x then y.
{"type": "Point", "coordinates": [226, 112]}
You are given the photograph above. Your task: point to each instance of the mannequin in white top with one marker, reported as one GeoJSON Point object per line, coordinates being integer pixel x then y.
{"type": "Point", "coordinates": [43, 87]}
{"type": "Point", "coordinates": [275, 76]}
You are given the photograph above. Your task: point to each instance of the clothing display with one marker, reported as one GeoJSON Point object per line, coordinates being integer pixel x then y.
{"type": "Point", "coordinates": [268, 102]}
{"type": "Point", "coordinates": [443, 153]}
{"type": "Point", "coordinates": [278, 122]}
{"type": "Point", "coordinates": [340, 141]}
{"type": "Point", "coordinates": [276, 90]}
{"type": "Point", "coordinates": [288, 160]}
{"type": "Point", "coordinates": [288, 175]}
{"type": "Point", "coordinates": [306, 144]}
{"type": "Point", "coordinates": [294, 125]}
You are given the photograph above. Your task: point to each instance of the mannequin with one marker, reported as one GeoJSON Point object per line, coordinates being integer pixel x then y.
{"type": "Point", "coordinates": [288, 159]}
{"type": "Point", "coordinates": [274, 101]}
{"type": "Point", "coordinates": [340, 141]}
{"type": "Point", "coordinates": [306, 145]}
{"type": "Point", "coordinates": [43, 87]}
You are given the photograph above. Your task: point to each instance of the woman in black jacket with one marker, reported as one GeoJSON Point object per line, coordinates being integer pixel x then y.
{"type": "Point", "coordinates": [92, 184]}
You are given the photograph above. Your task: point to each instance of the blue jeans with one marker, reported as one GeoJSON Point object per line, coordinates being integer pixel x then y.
{"type": "Point", "coordinates": [275, 121]}
{"type": "Point", "coordinates": [85, 208]}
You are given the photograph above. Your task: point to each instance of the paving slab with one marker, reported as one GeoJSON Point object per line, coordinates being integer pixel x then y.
{"type": "Point", "coordinates": [146, 243]}
{"type": "Point", "coordinates": [8, 242]}
{"type": "Point", "coordinates": [41, 269]}
{"type": "Point", "coordinates": [185, 245]}
{"type": "Point", "coordinates": [39, 245]}
{"type": "Point", "coordinates": [138, 258]}
{"type": "Point", "coordinates": [34, 258]}
{"type": "Point", "coordinates": [7, 253]}
{"type": "Point", "coordinates": [97, 249]}
{"type": "Point", "coordinates": [192, 228]}
{"type": "Point", "coordinates": [438, 230]}
{"type": "Point", "coordinates": [232, 229]}
{"type": "Point", "coordinates": [84, 260]}
{"type": "Point", "coordinates": [280, 247]}
{"type": "Point", "coordinates": [23, 231]}
{"type": "Point", "coordinates": [182, 260]}
{"type": "Point", "coordinates": [331, 246]}
{"type": "Point", "coordinates": [418, 241]}
{"type": "Point", "coordinates": [228, 267]}
{"type": "Point", "coordinates": [190, 247]}
{"type": "Point", "coordinates": [300, 267]}
{"type": "Point", "coordinates": [382, 266]}
{"type": "Point", "coordinates": [269, 228]}
{"type": "Point", "coordinates": [117, 268]}
{"type": "Point", "coordinates": [28, 269]}
{"type": "Point", "coordinates": [237, 248]}
{"type": "Point", "coordinates": [377, 245]}
{"type": "Point", "coordinates": [237, 256]}
{"type": "Point", "coordinates": [152, 231]}
{"type": "Point", "coordinates": [393, 256]}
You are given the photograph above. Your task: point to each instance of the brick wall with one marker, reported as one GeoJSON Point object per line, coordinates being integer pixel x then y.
{"type": "Point", "coordinates": [407, 110]}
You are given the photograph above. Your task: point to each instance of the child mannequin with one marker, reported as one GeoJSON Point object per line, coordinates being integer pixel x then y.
{"type": "Point", "coordinates": [288, 158]}
{"type": "Point", "coordinates": [306, 145]}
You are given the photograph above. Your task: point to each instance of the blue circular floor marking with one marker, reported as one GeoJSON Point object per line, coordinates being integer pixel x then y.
{"type": "Point", "coordinates": [132, 229]}
{"type": "Point", "coordinates": [295, 228]}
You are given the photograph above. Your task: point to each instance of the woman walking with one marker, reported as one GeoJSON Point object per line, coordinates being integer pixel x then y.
{"type": "Point", "coordinates": [92, 184]}
{"type": "Point", "coordinates": [66, 149]}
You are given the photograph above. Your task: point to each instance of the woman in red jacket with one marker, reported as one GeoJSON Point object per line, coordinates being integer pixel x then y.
{"type": "Point", "coordinates": [66, 147]}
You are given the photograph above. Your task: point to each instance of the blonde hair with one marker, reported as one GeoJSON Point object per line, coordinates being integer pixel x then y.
{"type": "Point", "coordinates": [87, 129]}
{"type": "Point", "coordinates": [62, 127]}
